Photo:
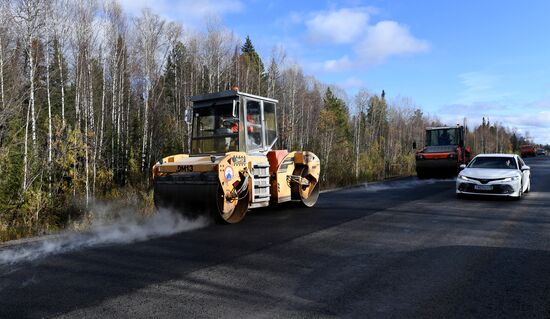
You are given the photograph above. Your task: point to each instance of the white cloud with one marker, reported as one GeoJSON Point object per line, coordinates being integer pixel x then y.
{"type": "Point", "coordinates": [341, 64]}
{"type": "Point", "coordinates": [477, 81]}
{"type": "Point", "coordinates": [370, 43]}
{"type": "Point", "coordinates": [481, 86]}
{"type": "Point", "coordinates": [483, 97]}
{"type": "Point", "coordinates": [187, 11]}
{"type": "Point", "coordinates": [531, 120]}
{"type": "Point", "coordinates": [538, 119]}
{"type": "Point", "coordinates": [535, 123]}
{"type": "Point", "coordinates": [389, 38]}
{"type": "Point", "coordinates": [338, 26]}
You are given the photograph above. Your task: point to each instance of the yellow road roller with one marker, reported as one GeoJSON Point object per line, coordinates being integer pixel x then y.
{"type": "Point", "coordinates": [232, 167]}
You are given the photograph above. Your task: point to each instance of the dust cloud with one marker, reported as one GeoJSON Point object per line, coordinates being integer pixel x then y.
{"type": "Point", "coordinates": [109, 226]}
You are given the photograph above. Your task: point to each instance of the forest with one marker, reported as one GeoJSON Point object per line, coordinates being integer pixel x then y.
{"type": "Point", "coordinates": [91, 98]}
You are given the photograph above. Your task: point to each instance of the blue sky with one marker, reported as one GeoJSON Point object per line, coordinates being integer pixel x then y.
{"type": "Point", "coordinates": [454, 59]}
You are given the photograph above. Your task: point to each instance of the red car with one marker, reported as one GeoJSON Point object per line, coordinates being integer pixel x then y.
{"type": "Point", "coordinates": [527, 150]}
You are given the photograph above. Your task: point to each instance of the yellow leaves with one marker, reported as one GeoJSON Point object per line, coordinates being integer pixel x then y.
{"type": "Point", "coordinates": [104, 179]}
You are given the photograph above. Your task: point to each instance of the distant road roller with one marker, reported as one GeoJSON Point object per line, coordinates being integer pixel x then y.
{"type": "Point", "coordinates": [232, 167]}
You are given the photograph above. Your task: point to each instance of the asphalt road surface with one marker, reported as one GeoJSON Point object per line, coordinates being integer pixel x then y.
{"type": "Point", "coordinates": [402, 249]}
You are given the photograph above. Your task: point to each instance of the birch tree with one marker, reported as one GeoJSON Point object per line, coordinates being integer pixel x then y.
{"type": "Point", "coordinates": [150, 28]}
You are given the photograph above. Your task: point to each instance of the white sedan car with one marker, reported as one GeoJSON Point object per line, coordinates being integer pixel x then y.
{"type": "Point", "coordinates": [494, 174]}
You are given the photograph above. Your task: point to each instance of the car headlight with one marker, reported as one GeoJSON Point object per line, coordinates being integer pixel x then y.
{"type": "Point", "coordinates": [419, 156]}
{"type": "Point", "coordinates": [464, 178]}
{"type": "Point", "coordinates": [511, 179]}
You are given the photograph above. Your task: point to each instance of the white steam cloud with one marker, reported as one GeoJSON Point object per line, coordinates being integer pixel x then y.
{"type": "Point", "coordinates": [109, 226]}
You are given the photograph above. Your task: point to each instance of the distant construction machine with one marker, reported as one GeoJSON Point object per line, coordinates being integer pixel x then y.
{"type": "Point", "coordinates": [231, 167]}
{"type": "Point", "coordinates": [443, 152]}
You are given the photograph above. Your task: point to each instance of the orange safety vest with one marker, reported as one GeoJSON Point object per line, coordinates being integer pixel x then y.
{"type": "Point", "coordinates": [250, 120]}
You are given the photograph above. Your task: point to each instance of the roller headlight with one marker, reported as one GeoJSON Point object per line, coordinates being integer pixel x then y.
{"type": "Point", "coordinates": [511, 179]}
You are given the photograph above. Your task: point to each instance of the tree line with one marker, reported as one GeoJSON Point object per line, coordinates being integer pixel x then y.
{"type": "Point", "coordinates": [91, 98]}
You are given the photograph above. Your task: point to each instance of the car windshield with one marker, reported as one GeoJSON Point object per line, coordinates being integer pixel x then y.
{"type": "Point", "coordinates": [215, 130]}
{"type": "Point", "coordinates": [439, 137]}
{"type": "Point", "coordinates": [494, 162]}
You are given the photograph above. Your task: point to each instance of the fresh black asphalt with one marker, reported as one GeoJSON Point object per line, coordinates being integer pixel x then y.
{"type": "Point", "coordinates": [401, 249]}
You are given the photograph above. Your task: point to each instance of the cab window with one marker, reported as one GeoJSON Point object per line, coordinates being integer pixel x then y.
{"type": "Point", "coordinates": [253, 125]}
{"type": "Point", "coordinates": [215, 130]}
{"type": "Point", "coordinates": [270, 123]}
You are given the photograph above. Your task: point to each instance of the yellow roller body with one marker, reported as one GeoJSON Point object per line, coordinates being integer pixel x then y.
{"type": "Point", "coordinates": [231, 182]}
{"type": "Point", "coordinates": [199, 184]}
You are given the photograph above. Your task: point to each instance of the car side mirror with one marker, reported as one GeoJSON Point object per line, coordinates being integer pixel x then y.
{"type": "Point", "coordinates": [188, 116]}
{"type": "Point", "coordinates": [525, 168]}
{"type": "Point", "coordinates": [414, 145]}
{"type": "Point", "coordinates": [462, 166]}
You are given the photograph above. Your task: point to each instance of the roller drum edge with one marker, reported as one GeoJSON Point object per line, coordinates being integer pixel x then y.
{"type": "Point", "coordinates": [191, 194]}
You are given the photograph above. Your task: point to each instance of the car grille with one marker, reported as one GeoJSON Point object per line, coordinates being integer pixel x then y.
{"type": "Point", "coordinates": [497, 189]}
{"type": "Point", "coordinates": [486, 180]}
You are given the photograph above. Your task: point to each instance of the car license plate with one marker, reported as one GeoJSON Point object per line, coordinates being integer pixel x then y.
{"type": "Point", "coordinates": [483, 187]}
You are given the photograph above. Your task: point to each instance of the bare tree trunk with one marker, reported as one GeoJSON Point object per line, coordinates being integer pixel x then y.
{"type": "Point", "coordinates": [246, 78]}
{"type": "Point", "coordinates": [120, 115]}
{"type": "Point", "coordinates": [217, 70]}
{"type": "Point", "coordinates": [85, 112]}
{"type": "Point", "coordinates": [2, 74]}
{"type": "Point", "coordinates": [302, 124]}
{"type": "Point", "coordinates": [292, 109]}
{"type": "Point", "coordinates": [86, 160]}
{"type": "Point", "coordinates": [26, 151]}
{"type": "Point", "coordinates": [49, 116]}
{"type": "Point", "coordinates": [77, 95]}
{"type": "Point", "coordinates": [146, 115]}
{"type": "Point", "coordinates": [62, 83]}
{"type": "Point", "coordinates": [357, 144]}
{"type": "Point", "coordinates": [283, 127]}
{"type": "Point", "coordinates": [127, 138]}
{"type": "Point", "coordinates": [31, 98]}
{"type": "Point", "coordinates": [102, 122]}
{"type": "Point", "coordinates": [496, 146]}
{"type": "Point", "coordinates": [259, 80]}
{"type": "Point", "coordinates": [145, 130]}
{"type": "Point", "coordinates": [150, 151]}
{"type": "Point", "coordinates": [91, 114]}
{"type": "Point", "coordinates": [114, 77]}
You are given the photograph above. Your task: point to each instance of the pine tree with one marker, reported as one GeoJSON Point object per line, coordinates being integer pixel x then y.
{"type": "Point", "coordinates": [255, 77]}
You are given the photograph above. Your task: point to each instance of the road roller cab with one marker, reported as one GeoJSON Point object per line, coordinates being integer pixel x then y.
{"type": "Point", "coordinates": [443, 152]}
{"type": "Point", "coordinates": [232, 167]}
